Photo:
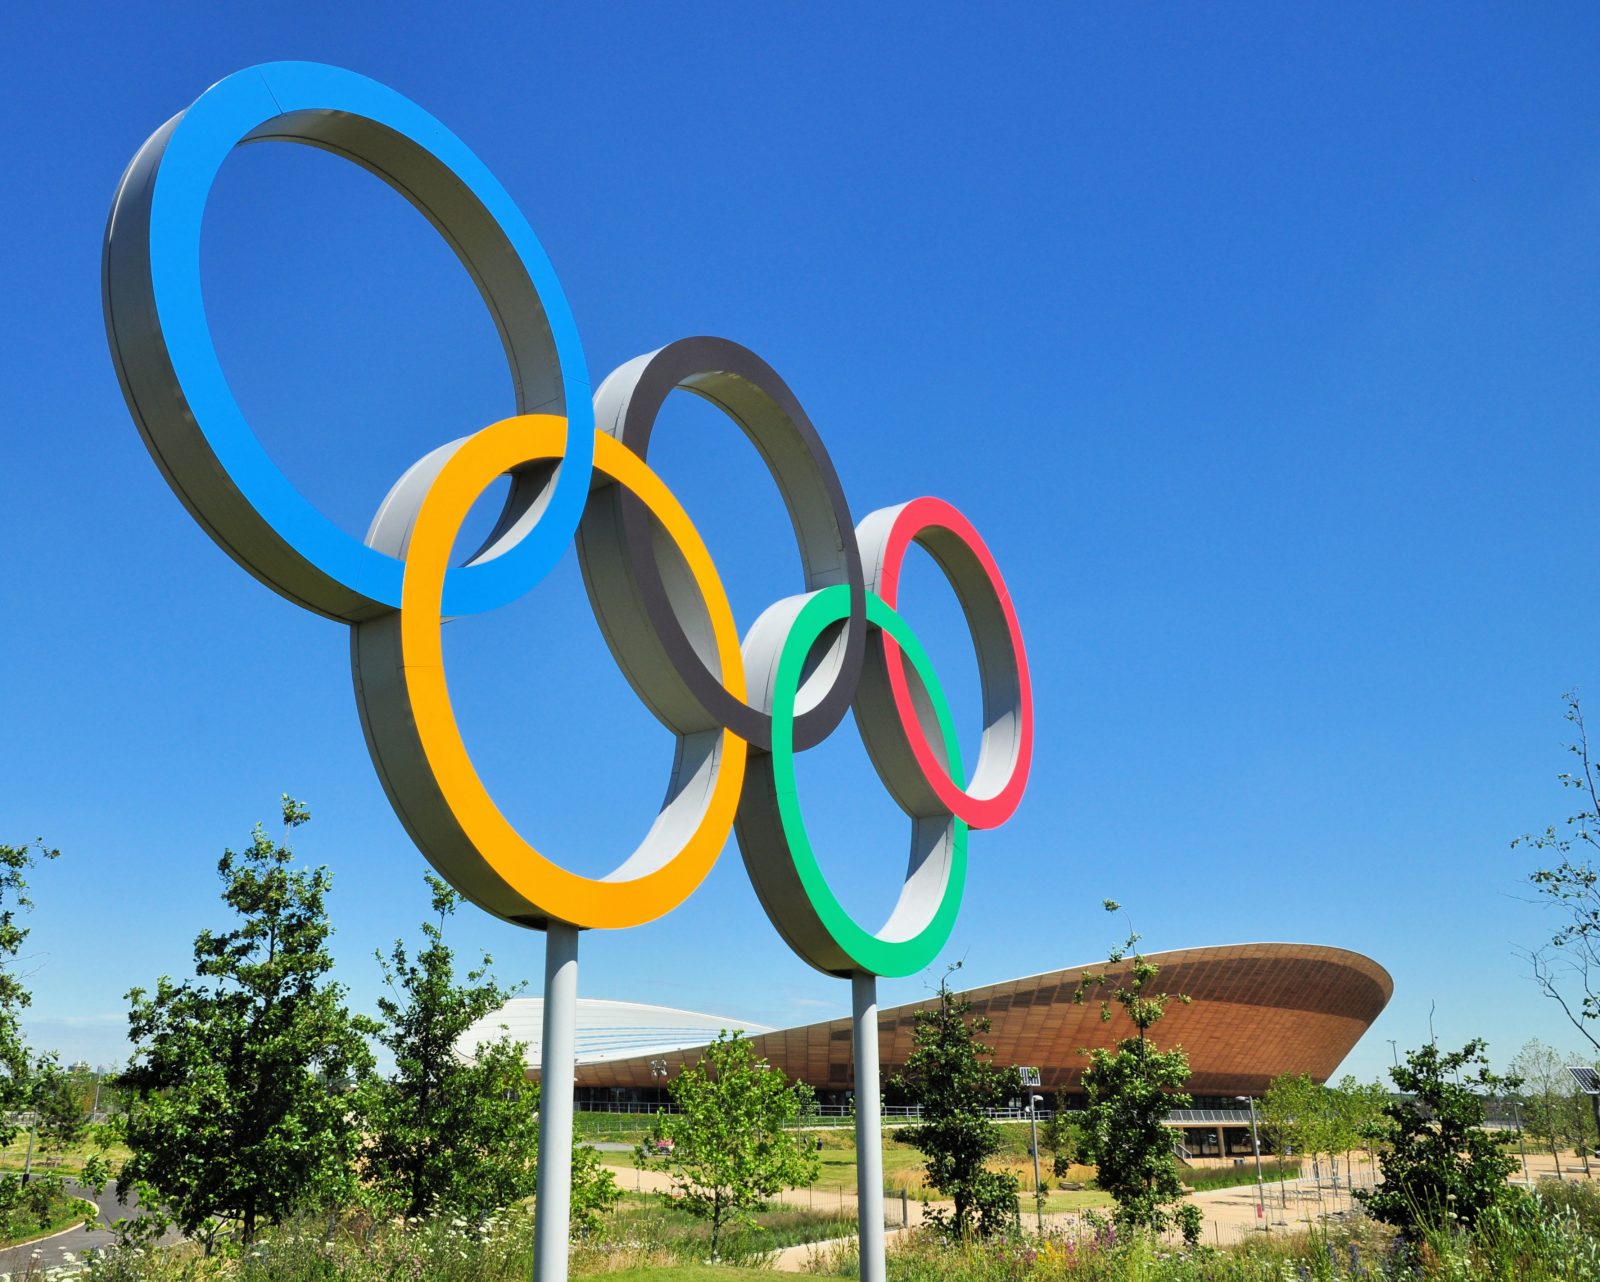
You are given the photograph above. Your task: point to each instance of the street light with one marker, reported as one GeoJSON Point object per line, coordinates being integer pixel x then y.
{"type": "Point", "coordinates": [1030, 1078]}
{"type": "Point", "coordinates": [1516, 1116]}
{"type": "Point", "coordinates": [1255, 1143]}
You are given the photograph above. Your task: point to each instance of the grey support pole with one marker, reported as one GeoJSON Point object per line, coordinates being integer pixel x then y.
{"type": "Point", "coordinates": [869, 1127]}
{"type": "Point", "coordinates": [553, 1209]}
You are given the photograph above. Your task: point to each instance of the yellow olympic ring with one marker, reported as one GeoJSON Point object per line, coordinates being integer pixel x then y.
{"type": "Point", "coordinates": [489, 858]}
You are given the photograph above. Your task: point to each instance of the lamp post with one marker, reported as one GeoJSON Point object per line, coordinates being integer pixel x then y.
{"type": "Point", "coordinates": [1255, 1143]}
{"type": "Point", "coordinates": [1030, 1078]}
{"type": "Point", "coordinates": [1516, 1116]}
{"type": "Point", "coordinates": [1393, 1051]}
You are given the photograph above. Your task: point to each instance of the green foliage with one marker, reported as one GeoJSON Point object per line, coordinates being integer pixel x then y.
{"type": "Point", "coordinates": [242, 1110]}
{"type": "Point", "coordinates": [1360, 1117]}
{"type": "Point", "coordinates": [1441, 1167]}
{"type": "Point", "coordinates": [58, 1099]}
{"type": "Point", "coordinates": [40, 1205]}
{"type": "Point", "coordinates": [1130, 1090]}
{"type": "Point", "coordinates": [446, 1133]}
{"type": "Point", "coordinates": [1287, 1115]}
{"type": "Point", "coordinates": [1298, 1113]}
{"type": "Point", "coordinates": [1525, 1241]}
{"type": "Point", "coordinates": [594, 1191]}
{"type": "Point", "coordinates": [1062, 1137]}
{"type": "Point", "coordinates": [1568, 1197]}
{"type": "Point", "coordinates": [729, 1147]}
{"type": "Point", "coordinates": [949, 1076]}
{"type": "Point", "coordinates": [15, 1068]}
{"type": "Point", "coordinates": [1550, 1107]}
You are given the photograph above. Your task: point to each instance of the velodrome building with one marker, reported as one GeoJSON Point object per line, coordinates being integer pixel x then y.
{"type": "Point", "coordinates": [1256, 1011]}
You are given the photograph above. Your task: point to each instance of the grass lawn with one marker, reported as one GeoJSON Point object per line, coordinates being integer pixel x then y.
{"type": "Point", "coordinates": [68, 1162]}
{"type": "Point", "coordinates": [641, 1215]}
{"type": "Point", "coordinates": [903, 1169]}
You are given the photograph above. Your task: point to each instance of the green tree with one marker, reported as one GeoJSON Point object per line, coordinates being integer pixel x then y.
{"type": "Point", "coordinates": [594, 1188]}
{"type": "Point", "coordinates": [58, 1100]}
{"type": "Point", "coordinates": [1130, 1091]}
{"type": "Point", "coordinates": [447, 1132]}
{"type": "Point", "coordinates": [1546, 1097]}
{"type": "Point", "coordinates": [242, 1109]}
{"type": "Point", "coordinates": [1286, 1116]}
{"type": "Point", "coordinates": [731, 1144]}
{"type": "Point", "coordinates": [1061, 1137]}
{"type": "Point", "coordinates": [1361, 1120]}
{"type": "Point", "coordinates": [15, 1062]}
{"type": "Point", "coordinates": [948, 1074]}
{"type": "Point", "coordinates": [1285, 1113]}
{"type": "Point", "coordinates": [1570, 889]}
{"type": "Point", "coordinates": [1441, 1167]}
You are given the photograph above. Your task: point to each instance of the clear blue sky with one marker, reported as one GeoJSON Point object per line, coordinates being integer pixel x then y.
{"type": "Point", "coordinates": [1260, 343]}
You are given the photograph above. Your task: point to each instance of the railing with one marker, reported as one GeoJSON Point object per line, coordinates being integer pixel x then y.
{"type": "Point", "coordinates": [911, 1112]}
{"type": "Point", "coordinates": [899, 1112]}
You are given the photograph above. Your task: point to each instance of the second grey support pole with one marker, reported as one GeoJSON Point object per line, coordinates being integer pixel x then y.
{"type": "Point", "coordinates": [553, 1209]}
{"type": "Point", "coordinates": [869, 1127]}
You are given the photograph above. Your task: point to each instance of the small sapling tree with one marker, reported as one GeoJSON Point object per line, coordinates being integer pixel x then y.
{"type": "Point", "coordinates": [59, 1105]}
{"type": "Point", "coordinates": [1130, 1090]}
{"type": "Point", "coordinates": [1546, 1096]}
{"type": "Point", "coordinates": [731, 1145]}
{"type": "Point", "coordinates": [1061, 1137]}
{"type": "Point", "coordinates": [949, 1075]}
{"type": "Point", "coordinates": [1441, 1167]}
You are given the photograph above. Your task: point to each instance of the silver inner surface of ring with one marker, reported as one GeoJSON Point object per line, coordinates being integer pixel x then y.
{"type": "Point", "coordinates": [634, 587]}
{"type": "Point", "coordinates": [156, 397]}
{"type": "Point", "coordinates": [1001, 742]}
{"type": "Point", "coordinates": [387, 721]}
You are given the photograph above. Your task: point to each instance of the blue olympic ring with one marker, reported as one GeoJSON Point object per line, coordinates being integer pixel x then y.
{"type": "Point", "coordinates": [169, 181]}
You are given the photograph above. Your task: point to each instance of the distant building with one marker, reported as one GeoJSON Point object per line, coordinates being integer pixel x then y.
{"type": "Point", "coordinates": [1258, 1010]}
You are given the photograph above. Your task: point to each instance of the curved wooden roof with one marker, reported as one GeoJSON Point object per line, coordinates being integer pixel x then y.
{"type": "Point", "coordinates": [1257, 1010]}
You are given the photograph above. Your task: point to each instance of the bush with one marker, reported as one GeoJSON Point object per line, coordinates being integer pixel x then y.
{"type": "Point", "coordinates": [1581, 1200]}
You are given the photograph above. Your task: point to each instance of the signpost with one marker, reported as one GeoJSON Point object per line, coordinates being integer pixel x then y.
{"type": "Point", "coordinates": [1030, 1080]}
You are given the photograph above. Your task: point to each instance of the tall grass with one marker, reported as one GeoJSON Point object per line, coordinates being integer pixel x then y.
{"type": "Point", "coordinates": [354, 1248]}
{"type": "Point", "coordinates": [1536, 1238]}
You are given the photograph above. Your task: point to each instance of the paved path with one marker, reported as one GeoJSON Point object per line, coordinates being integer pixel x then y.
{"type": "Point", "coordinates": [1230, 1214]}
{"type": "Point", "coordinates": [68, 1246]}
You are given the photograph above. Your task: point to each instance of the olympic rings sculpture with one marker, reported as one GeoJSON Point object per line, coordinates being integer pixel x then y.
{"type": "Point", "coordinates": [740, 709]}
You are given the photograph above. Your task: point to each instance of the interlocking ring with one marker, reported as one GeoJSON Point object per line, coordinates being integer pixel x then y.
{"type": "Point", "coordinates": [398, 661]}
{"type": "Point", "coordinates": [173, 381]}
{"type": "Point", "coordinates": [739, 711]}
